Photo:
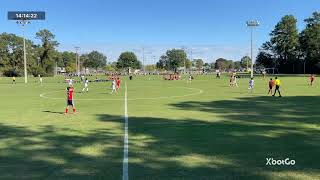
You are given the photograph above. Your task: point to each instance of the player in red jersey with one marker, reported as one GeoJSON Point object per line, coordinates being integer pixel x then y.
{"type": "Point", "coordinates": [312, 78]}
{"type": "Point", "coordinates": [118, 83]}
{"type": "Point", "coordinates": [271, 85]}
{"type": "Point", "coordinates": [70, 102]}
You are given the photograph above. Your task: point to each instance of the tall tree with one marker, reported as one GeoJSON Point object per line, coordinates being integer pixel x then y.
{"type": "Point", "coordinates": [285, 40]}
{"type": "Point", "coordinates": [198, 63]}
{"type": "Point", "coordinates": [265, 59]}
{"type": "Point", "coordinates": [128, 60]}
{"type": "Point", "coordinates": [47, 49]}
{"type": "Point", "coordinates": [94, 60]}
{"type": "Point", "coordinates": [173, 59]}
{"type": "Point", "coordinates": [310, 41]}
{"type": "Point", "coordinates": [69, 61]}
{"type": "Point", "coordinates": [245, 62]}
{"type": "Point", "coordinates": [221, 64]}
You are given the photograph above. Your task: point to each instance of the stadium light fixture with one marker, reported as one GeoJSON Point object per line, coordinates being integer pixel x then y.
{"type": "Point", "coordinates": [252, 24]}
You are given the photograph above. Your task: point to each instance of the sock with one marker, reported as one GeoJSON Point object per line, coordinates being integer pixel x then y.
{"type": "Point", "coordinates": [66, 110]}
{"type": "Point", "coordinates": [74, 110]}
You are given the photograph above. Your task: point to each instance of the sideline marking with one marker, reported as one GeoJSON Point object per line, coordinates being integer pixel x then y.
{"type": "Point", "coordinates": [125, 175]}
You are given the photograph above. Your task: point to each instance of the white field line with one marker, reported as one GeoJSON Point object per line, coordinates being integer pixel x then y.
{"type": "Point", "coordinates": [125, 174]}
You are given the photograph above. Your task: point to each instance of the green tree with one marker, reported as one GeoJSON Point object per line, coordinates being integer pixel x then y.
{"type": "Point", "coordinates": [237, 64]}
{"type": "Point", "coordinates": [198, 63]}
{"type": "Point", "coordinates": [245, 62]}
{"type": "Point", "coordinates": [128, 60]}
{"type": "Point", "coordinates": [310, 41]}
{"type": "Point", "coordinates": [150, 68]}
{"type": "Point", "coordinates": [221, 64]}
{"type": "Point", "coordinates": [47, 50]}
{"type": "Point", "coordinates": [265, 59]}
{"type": "Point", "coordinates": [284, 43]}
{"type": "Point", "coordinates": [68, 61]}
{"type": "Point", "coordinates": [94, 60]}
{"type": "Point", "coordinates": [109, 68]}
{"type": "Point", "coordinates": [11, 54]}
{"type": "Point", "coordinates": [188, 64]}
{"type": "Point", "coordinates": [173, 59]}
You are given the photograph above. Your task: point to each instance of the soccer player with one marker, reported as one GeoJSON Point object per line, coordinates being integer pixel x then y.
{"type": "Point", "coordinates": [251, 84]}
{"type": "Point", "coordinates": [113, 86]}
{"type": "Point", "coordinates": [277, 82]}
{"type": "Point", "coordinates": [190, 79]}
{"type": "Point", "coordinates": [312, 78]}
{"type": "Point", "coordinates": [13, 80]}
{"type": "Point", "coordinates": [235, 81]}
{"type": "Point", "coordinates": [40, 80]}
{"type": "Point", "coordinates": [231, 81]}
{"type": "Point", "coordinates": [264, 74]}
{"type": "Point", "coordinates": [271, 84]}
{"type": "Point", "coordinates": [86, 82]}
{"type": "Point", "coordinates": [118, 84]}
{"type": "Point", "coordinates": [70, 102]}
{"type": "Point", "coordinates": [70, 82]}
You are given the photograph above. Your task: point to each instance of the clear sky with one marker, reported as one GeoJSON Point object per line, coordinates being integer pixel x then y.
{"type": "Point", "coordinates": [208, 28]}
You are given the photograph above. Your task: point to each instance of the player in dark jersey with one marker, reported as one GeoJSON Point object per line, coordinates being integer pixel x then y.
{"type": "Point", "coordinates": [70, 102]}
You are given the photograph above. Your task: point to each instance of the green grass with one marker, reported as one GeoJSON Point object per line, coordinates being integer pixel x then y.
{"type": "Point", "coordinates": [203, 130]}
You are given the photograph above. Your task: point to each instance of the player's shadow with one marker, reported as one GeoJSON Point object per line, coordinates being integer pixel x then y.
{"type": "Point", "coordinates": [53, 112]}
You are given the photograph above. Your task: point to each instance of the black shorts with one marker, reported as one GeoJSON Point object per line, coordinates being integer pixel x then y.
{"type": "Point", "coordinates": [277, 87]}
{"type": "Point", "coordinates": [70, 102]}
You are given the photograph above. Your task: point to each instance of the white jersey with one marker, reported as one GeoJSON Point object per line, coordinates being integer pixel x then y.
{"type": "Point", "coordinates": [113, 84]}
{"type": "Point", "coordinates": [251, 82]}
{"type": "Point", "coordinates": [70, 82]}
{"type": "Point", "coordinates": [86, 83]}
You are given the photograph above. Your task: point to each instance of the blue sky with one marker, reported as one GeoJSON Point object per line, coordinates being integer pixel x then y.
{"type": "Point", "coordinates": [208, 28]}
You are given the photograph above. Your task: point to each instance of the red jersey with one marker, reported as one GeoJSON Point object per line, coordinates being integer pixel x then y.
{"type": "Point", "coordinates": [70, 94]}
{"type": "Point", "coordinates": [118, 82]}
{"type": "Point", "coordinates": [271, 83]}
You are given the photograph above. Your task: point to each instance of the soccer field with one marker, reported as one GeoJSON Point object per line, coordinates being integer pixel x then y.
{"type": "Point", "coordinates": [176, 130]}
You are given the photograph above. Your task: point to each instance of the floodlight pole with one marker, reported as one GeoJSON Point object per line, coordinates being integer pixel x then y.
{"type": "Point", "coordinates": [144, 70]}
{"type": "Point", "coordinates": [23, 23]}
{"type": "Point", "coordinates": [252, 24]}
{"type": "Point", "coordinates": [251, 29]}
{"type": "Point", "coordinates": [77, 60]}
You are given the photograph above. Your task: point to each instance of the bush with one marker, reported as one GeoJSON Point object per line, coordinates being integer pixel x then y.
{"type": "Point", "coordinates": [10, 72]}
{"type": "Point", "coordinates": [36, 70]}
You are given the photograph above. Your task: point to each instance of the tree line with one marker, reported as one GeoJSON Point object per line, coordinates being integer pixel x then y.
{"type": "Point", "coordinates": [291, 51]}
{"type": "Point", "coordinates": [288, 50]}
{"type": "Point", "coordinates": [43, 58]}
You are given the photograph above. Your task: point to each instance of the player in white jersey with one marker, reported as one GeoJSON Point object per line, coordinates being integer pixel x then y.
{"type": "Point", "coordinates": [113, 86]}
{"type": "Point", "coordinates": [235, 83]}
{"type": "Point", "coordinates": [40, 80]}
{"type": "Point", "coordinates": [86, 82]}
{"type": "Point", "coordinates": [70, 82]}
{"type": "Point", "coordinates": [251, 84]}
